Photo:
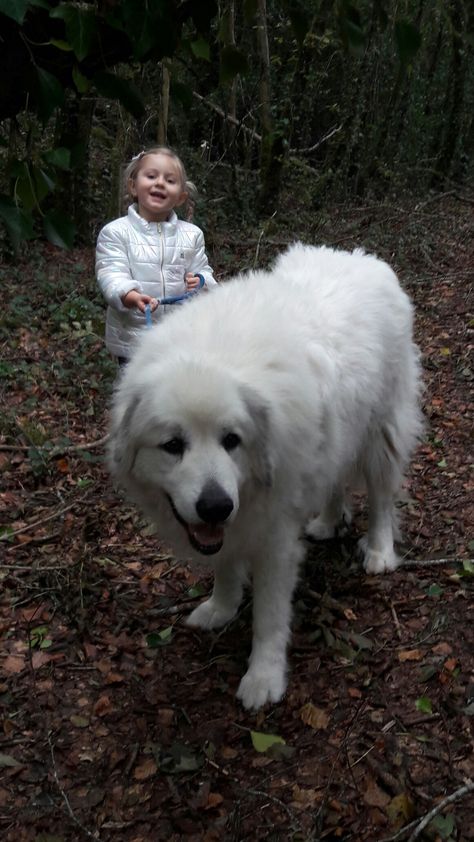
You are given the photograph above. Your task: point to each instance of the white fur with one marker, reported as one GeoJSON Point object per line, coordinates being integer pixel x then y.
{"type": "Point", "coordinates": [312, 364]}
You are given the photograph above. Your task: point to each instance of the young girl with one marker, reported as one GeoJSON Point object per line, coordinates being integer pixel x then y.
{"type": "Point", "coordinates": [149, 254]}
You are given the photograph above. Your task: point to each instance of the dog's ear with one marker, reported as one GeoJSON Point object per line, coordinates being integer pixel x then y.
{"type": "Point", "coordinates": [121, 449]}
{"type": "Point", "coordinates": [262, 457]}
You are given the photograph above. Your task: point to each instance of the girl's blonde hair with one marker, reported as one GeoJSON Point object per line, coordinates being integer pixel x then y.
{"type": "Point", "coordinates": [132, 169]}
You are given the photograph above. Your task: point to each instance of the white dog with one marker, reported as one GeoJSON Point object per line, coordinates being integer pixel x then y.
{"type": "Point", "coordinates": [241, 419]}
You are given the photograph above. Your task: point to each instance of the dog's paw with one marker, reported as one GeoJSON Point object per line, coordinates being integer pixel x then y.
{"type": "Point", "coordinates": [259, 686]}
{"type": "Point", "coordinates": [378, 562]}
{"type": "Point", "coordinates": [320, 529]}
{"type": "Point", "coordinates": [210, 615]}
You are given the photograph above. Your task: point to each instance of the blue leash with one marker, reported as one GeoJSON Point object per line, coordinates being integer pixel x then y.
{"type": "Point", "coordinates": [174, 299]}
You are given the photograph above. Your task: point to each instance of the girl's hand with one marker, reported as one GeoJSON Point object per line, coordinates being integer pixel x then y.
{"type": "Point", "coordinates": [191, 281]}
{"type": "Point", "coordinates": [137, 299]}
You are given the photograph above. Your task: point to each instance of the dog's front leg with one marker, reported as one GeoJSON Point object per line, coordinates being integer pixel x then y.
{"type": "Point", "coordinates": [226, 597]}
{"type": "Point", "coordinates": [274, 579]}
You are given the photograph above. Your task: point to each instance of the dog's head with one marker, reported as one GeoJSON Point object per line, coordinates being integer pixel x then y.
{"type": "Point", "coordinates": [190, 442]}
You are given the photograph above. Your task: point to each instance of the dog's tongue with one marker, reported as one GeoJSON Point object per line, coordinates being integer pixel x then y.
{"type": "Point", "coordinates": [206, 534]}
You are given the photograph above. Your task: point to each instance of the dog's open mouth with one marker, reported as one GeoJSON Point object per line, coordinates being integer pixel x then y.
{"type": "Point", "coordinates": [206, 538]}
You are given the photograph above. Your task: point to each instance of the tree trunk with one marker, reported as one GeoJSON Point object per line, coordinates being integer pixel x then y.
{"type": "Point", "coordinates": [455, 97]}
{"type": "Point", "coordinates": [272, 146]}
{"type": "Point", "coordinates": [165, 101]}
{"type": "Point", "coordinates": [227, 17]}
{"type": "Point", "coordinates": [73, 130]}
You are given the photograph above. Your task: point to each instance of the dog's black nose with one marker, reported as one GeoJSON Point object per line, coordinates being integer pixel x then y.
{"type": "Point", "coordinates": [214, 505]}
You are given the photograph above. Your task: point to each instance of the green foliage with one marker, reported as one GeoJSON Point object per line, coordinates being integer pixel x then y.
{"type": "Point", "coordinates": [367, 97]}
{"type": "Point", "coordinates": [408, 40]}
{"type": "Point", "coordinates": [128, 31]}
{"type": "Point", "coordinates": [233, 63]}
{"type": "Point", "coordinates": [423, 704]}
{"type": "Point", "coordinates": [80, 27]}
{"type": "Point", "coordinates": [113, 87]}
{"type": "Point", "coordinates": [15, 9]}
{"type": "Point", "coordinates": [49, 93]}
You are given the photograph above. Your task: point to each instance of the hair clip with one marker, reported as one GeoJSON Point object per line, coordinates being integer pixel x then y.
{"type": "Point", "coordinates": [136, 157]}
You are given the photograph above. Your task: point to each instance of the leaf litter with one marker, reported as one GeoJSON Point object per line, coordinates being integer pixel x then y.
{"type": "Point", "coordinates": [120, 723]}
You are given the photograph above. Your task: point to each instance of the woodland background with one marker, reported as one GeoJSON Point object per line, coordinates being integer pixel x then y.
{"type": "Point", "coordinates": [344, 123]}
{"type": "Point", "coordinates": [275, 106]}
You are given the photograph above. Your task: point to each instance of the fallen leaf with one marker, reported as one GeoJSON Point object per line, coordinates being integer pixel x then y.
{"type": "Point", "coordinates": [410, 655]}
{"type": "Point", "coordinates": [305, 797]}
{"type": "Point", "coordinates": [376, 797]}
{"type": "Point", "coordinates": [13, 664]}
{"type": "Point", "coordinates": [229, 753]}
{"type": "Point", "coordinates": [354, 693]}
{"type": "Point", "coordinates": [165, 716]}
{"type": "Point", "coordinates": [103, 706]}
{"type": "Point", "coordinates": [8, 760]}
{"type": "Point", "coordinates": [214, 800]}
{"type": "Point", "coordinates": [79, 721]}
{"type": "Point", "coordinates": [261, 742]}
{"type": "Point", "coordinates": [316, 718]}
{"type": "Point", "coordinates": [145, 770]}
{"type": "Point", "coordinates": [41, 658]}
{"type": "Point", "coordinates": [400, 810]}
{"type": "Point", "coordinates": [442, 648]}
{"type": "Point", "coordinates": [114, 678]}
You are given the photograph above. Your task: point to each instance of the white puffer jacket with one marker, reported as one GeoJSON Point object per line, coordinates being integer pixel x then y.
{"type": "Point", "coordinates": [151, 257]}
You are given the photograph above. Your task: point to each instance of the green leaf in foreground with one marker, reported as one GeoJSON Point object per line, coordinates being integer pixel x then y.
{"type": "Point", "coordinates": [162, 638]}
{"type": "Point", "coordinates": [262, 742]}
{"type": "Point", "coordinates": [443, 825]}
{"type": "Point", "coordinates": [114, 87]}
{"type": "Point", "coordinates": [15, 9]}
{"type": "Point", "coordinates": [49, 93]}
{"type": "Point", "coordinates": [423, 704]}
{"type": "Point", "coordinates": [59, 229]}
{"type": "Point", "coordinates": [435, 590]}
{"type": "Point", "coordinates": [8, 760]}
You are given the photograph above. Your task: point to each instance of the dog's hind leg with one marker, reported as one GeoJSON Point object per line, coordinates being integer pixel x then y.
{"type": "Point", "coordinates": [377, 546]}
{"type": "Point", "coordinates": [383, 476]}
{"type": "Point", "coordinates": [333, 519]}
{"type": "Point", "coordinates": [226, 597]}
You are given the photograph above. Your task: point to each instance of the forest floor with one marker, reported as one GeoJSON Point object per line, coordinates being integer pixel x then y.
{"type": "Point", "coordinates": [118, 722]}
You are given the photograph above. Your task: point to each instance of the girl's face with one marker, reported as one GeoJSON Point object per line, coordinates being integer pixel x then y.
{"type": "Point", "coordinates": [157, 187]}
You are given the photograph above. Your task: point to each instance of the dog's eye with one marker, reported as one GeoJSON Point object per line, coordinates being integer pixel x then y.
{"type": "Point", "coordinates": [231, 441]}
{"type": "Point", "coordinates": [174, 446]}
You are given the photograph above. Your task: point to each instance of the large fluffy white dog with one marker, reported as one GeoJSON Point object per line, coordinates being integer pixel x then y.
{"type": "Point", "coordinates": [242, 418]}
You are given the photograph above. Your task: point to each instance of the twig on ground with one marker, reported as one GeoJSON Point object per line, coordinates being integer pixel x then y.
{"type": "Point", "coordinates": [426, 562]}
{"type": "Point", "coordinates": [8, 535]}
{"type": "Point", "coordinates": [64, 796]}
{"type": "Point", "coordinates": [309, 149]}
{"type": "Point", "coordinates": [275, 800]}
{"type": "Point", "coordinates": [455, 796]}
{"type": "Point", "coordinates": [262, 232]}
{"type": "Point", "coordinates": [131, 760]}
{"type": "Point", "coordinates": [437, 198]}
{"type": "Point", "coordinates": [56, 451]}
{"type": "Point", "coordinates": [420, 825]}
{"type": "Point", "coordinates": [394, 614]}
